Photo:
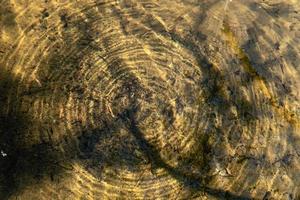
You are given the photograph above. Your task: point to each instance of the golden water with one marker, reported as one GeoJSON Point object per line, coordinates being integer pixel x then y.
{"type": "Point", "coordinates": [149, 99]}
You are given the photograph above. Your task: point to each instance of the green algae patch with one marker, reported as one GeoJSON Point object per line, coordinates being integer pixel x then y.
{"type": "Point", "coordinates": [242, 56]}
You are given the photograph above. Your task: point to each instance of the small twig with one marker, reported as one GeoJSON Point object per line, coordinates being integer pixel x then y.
{"type": "Point", "coordinates": [110, 111]}
{"type": "Point", "coordinates": [226, 4]}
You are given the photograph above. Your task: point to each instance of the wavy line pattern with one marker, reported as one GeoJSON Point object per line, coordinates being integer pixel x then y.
{"type": "Point", "coordinates": [185, 99]}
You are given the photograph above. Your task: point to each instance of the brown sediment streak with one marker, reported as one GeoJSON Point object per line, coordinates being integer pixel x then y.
{"type": "Point", "coordinates": [244, 60]}
{"type": "Point", "coordinates": [259, 81]}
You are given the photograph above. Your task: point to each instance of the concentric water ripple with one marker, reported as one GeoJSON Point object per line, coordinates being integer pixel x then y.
{"type": "Point", "coordinates": [149, 99]}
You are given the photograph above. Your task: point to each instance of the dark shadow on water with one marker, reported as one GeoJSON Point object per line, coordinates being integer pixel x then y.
{"type": "Point", "coordinates": [29, 164]}
{"type": "Point", "coordinates": [21, 164]}
{"type": "Point", "coordinates": [26, 157]}
{"type": "Point", "coordinates": [191, 181]}
{"type": "Point", "coordinates": [87, 145]}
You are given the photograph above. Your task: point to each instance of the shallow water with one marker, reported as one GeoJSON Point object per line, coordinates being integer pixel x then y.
{"type": "Point", "coordinates": [149, 99]}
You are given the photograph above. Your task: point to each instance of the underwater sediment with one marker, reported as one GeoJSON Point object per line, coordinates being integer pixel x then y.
{"type": "Point", "coordinates": [149, 99]}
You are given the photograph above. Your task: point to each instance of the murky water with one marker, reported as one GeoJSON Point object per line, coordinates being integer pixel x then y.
{"type": "Point", "coordinates": [149, 99]}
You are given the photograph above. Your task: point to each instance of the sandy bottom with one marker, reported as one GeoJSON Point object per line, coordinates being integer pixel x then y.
{"type": "Point", "coordinates": [149, 99]}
